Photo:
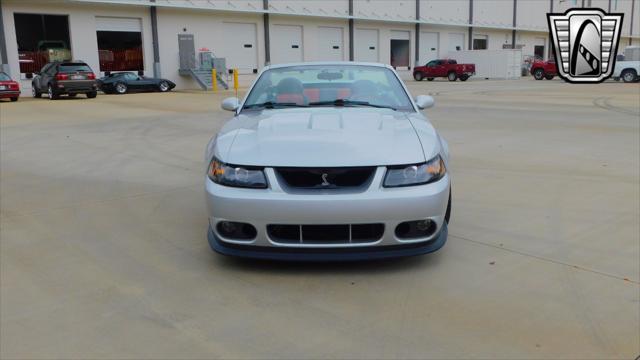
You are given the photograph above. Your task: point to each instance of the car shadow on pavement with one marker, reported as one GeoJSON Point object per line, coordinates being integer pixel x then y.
{"type": "Point", "coordinates": [322, 268]}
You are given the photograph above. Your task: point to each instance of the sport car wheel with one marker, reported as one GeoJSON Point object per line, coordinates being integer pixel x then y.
{"type": "Point", "coordinates": [163, 86]}
{"type": "Point", "coordinates": [121, 88]}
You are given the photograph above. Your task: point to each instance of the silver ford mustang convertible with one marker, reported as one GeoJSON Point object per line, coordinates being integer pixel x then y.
{"type": "Point", "coordinates": [327, 161]}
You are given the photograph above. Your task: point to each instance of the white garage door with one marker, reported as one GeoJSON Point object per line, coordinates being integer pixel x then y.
{"type": "Point", "coordinates": [242, 52]}
{"type": "Point", "coordinates": [456, 42]}
{"type": "Point", "coordinates": [329, 44]}
{"type": "Point", "coordinates": [286, 44]}
{"type": "Point", "coordinates": [366, 45]}
{"type": "Point", "coordinates": [104, 23]}
{"type": "Point", "coordinates": [429, 46]}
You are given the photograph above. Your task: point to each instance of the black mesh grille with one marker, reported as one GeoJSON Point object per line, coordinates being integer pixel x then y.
{"type": "Point", "coordinates": [326, 178]}
{"type": "Point", "coordinates": [326, 234]}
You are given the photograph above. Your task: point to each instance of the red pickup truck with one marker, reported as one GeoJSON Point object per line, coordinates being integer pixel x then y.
{"type": "Point", "coordinates": [444, 68]}
{"type": "Point", "coordinates": [544, 69]}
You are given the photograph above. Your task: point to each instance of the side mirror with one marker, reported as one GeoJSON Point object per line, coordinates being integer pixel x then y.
{"type": "Point", "coordinates": [230, 104]}
{"type": "Point", "coordinates": [424, 101]}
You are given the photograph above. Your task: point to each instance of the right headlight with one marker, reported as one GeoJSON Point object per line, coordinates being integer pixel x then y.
{"type": "Point", "coordinates": [236, 176]}
{"type": "Point", "coordinates": [418, 174]}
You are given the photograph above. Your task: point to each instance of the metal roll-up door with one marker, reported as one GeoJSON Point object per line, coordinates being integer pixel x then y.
{"type": "Point", "coordinates": [242, 51]}
{"type": "Point", "coordinates": [366, 45]}
{"type": "Point", "coordinates": [329, 44]}
{"type": "Point", "coordinates": [118, 24]}
{"type": "Point", "coordinates": [286, 44]}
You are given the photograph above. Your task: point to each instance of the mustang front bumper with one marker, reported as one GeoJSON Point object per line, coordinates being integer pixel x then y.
{"type": "Point", "coordinates": [376, 204]}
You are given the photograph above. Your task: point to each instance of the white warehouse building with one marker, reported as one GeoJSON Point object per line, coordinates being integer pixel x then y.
{"type": "Point", "coordinates": [166, 37]}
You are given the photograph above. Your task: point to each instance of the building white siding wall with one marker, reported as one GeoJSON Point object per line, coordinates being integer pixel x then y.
{"type": "Point", "coordinates": [400, 10]}
{"type": "Point", "coordinates": [310, 7]}
{"type": "Point", "coordinates": [530, 40]}
{"type": "Point", "coordinates": [385, 31]}
{"type": "Point", "coordinates": [210, 31]}
{"type": "Point", "coordinates": [496, 38]}
{"type": "Point", "coordinates": [532, 14]}
{"type": "Point", "coordinates": [311, 33]}
{"type": "Point", "coordinates": [493, 12]}
{"type": "Point", "coordinates": [454, 12]}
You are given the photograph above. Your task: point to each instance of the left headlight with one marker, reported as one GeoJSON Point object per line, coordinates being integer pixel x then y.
{"type": "Point", "coordinates": [237, 176]}
{"type": "Point", "coordinates": [418, 174]}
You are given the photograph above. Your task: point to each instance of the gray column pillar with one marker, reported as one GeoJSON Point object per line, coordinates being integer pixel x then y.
{"type": "Point", "coordinates": [154, 34]}
{"type": "Point", "coordinates": [470, 25]}
{"type": "Point", "coordinates": [4, 62]}
{"type": "Point", "coordinates": [417, 56]}
{"type": "Point", "coordinates": [513, 32]}
{"type": "Point", "coordinates": [633, 11]}
{"type": "Point", "coordinates": [351, 32]}
{"type": "Point", "coordinates": [267, 36]}
{"type": "Point", "coordinates": [550, 41]}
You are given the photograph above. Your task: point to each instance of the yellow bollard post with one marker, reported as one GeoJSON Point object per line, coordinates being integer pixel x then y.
{"type": "Point", "coordinates": [235, 80]}
{"type": "Point", "coordinates": [214, 80]}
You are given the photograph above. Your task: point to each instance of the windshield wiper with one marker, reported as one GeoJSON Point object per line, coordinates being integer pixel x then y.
{"type": "Point", "coordinates": [272, 104]}
{"type": "Point", "coordinates": [344, 102]}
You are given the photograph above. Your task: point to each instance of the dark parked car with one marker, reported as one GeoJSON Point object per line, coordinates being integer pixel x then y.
{"type": "Point", "coordinates": [9, 89]}
{"type": "Point", "coordinates": [65, 77]}
{"type": "Point", "coordinates": [123, 82]}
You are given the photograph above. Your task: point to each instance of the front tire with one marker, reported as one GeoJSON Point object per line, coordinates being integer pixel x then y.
{"type": "Point", "coordinates": [629, 75]}
{"type": "Point", "coordinates": [14, 99]}
{"type": "Point", "coordinates": [429, 79]}
{"type": "Point", "coordinates": [548, 77]}
{"type": "Point", "coordinates": [418, 76]}
{"type": "Point", "coordinates": [121, 88]}
{"type": "Point", "coordinates": [163, 86]}
{"type": "Point", "coordinates": [452, 76]}
{"type": "Point", "coordinates": [92, 94]}
{"type": "Point", "coordinates": [538, 74]}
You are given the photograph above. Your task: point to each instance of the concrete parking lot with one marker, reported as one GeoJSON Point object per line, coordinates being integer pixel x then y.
{"type": "Point", "coordinates": [104, 254]}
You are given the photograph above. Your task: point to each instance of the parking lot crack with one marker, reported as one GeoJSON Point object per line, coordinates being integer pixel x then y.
{"type": "Point", "coordinates": [549, 260]}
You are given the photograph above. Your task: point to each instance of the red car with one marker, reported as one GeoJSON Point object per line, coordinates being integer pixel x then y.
{"type": "Point", "coordinates": [8, 88]}
{"type": "Point", "coordinates": [544, 69]}
{"type": "Point", "coordinates": [448, 68]}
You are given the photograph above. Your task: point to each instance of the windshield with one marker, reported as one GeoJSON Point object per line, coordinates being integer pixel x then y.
{"type": "Point", "coordinates": [328, 85]}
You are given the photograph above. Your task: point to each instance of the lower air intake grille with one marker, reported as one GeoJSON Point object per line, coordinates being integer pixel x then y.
{"type": "Point", "coordinates": [326, 234]}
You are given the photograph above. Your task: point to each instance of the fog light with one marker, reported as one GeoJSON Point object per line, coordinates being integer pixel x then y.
{"type": "Point", "coordinates": [416, 229]}
{"type": "Point", "coordinates": [236, 230]}
{"type": "Point", "coordinates": [423, 224]}
{"type": "Point", "coordinates": [227, 226]}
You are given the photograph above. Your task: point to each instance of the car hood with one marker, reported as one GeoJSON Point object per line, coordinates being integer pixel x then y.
{"type": "Point", "coordinates": [321, 137]}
